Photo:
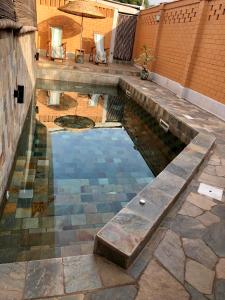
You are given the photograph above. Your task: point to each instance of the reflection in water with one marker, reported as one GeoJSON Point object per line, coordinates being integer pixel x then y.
{"type": "Point", "coordinates": [54, 98]}
{"type": "Point", "coordinates": [66, 185]}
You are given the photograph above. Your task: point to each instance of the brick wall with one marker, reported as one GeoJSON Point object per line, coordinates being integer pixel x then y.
{"type": "Point", "coordinates": [48, 15]}
{"type": "Point", "coordinates": [188, 42]}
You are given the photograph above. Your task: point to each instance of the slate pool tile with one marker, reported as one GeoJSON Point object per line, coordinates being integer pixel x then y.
{"type": "Point", "coordinates": [94, 218]}
{"type": "Point", "coordinates": [47, 276]}
{"type": "Point", "coordinates": [103, 181]}
{"type": "Point", "coordinates": [66, 237]}
{"type": "Point", "coordinates": [77, 209]}
{"type": "Point", "coordinates": [104, 207]}
{"type": "Point", "coordinates": [121, 197]}
{"type": "Point", "coordinates": [47, 238]}
{"type": "Point", "coordinates": [86, 198]}
{"type": "Point", "coordinates": [43, 163]}
{"type": "Point", "coordinates": [23, 213]}
{"type": "Point", "coordinates": [85, 189]}
{"type": "Point", "coordinates": [60, 210]}
{"type": "Point", "coordinates": [26, 193]}
{"type": "Point", "coordinates": [87, 248]}
{"type": "Point", "coordinates": [106, 217]}
{"type": "Point", "coordinates": [93, 181]}
{"type": "Point", "coordinates": [47, 222]}
{"type": "Point", "coordinates": [8, 255]}
{"type": "Point", "coordinates": [129, 196]}
{"type": "Point", "coordinates": [81, 273]}
{"type": "Point", "coordinates": [8, 221]}
{"type": "Point", "coordinates": [71, 250]}
{"type": "Point", "coordinates": [29, 223]}
{"type": "Point", "coordinates": [78, 219]}
{"type": "Point", "coordinates": [86, 234]}
{"type": "Point", "coordinates": [62, 221]}
{"type": "Point", "coordinates": [116, 206]}
{"type": "Point", "coordinates": [24, 203]}
{"type": "Point", "coordinates": [44, 253]}
{"type": "Point", "coordinates": [90, 208]}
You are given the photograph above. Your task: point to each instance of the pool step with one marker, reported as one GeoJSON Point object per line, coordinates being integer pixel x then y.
{"type": "Point", "coordinates": [123, 238]}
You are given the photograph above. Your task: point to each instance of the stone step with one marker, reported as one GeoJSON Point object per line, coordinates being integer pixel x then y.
{"type": "Point", "coordinates": [122, 239]}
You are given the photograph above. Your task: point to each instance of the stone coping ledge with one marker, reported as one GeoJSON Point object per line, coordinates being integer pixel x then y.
{"type": "Point", "coordinates": [156, 106]}
{"type": "Point", "coordinates": [60, 85]}
{"type": "Point", "coordinates": [123, 238]}
{"type": "Point", "coordinates": [71, 75]}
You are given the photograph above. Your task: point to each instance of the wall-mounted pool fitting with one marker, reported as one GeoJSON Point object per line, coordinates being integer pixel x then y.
{"type": "Point", "coordinates": [19, 94]}
{"type": "Point", "coordinates": [157, 17]}
{"type": "Point", "coordinates": [142, 201]}
{"type": "Point", "coordinates": [164, 125]}
{"type": "Point", "coordinates": [128, 93]}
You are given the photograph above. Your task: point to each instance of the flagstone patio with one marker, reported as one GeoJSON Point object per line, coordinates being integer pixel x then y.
{"type": "Point", "coordinates": [184, 259]}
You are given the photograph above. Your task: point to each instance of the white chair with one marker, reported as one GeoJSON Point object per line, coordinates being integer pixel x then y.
{"type": "Point", "coordinates": [100, 51]}
{"type": "Point", "coordinates": [54, 98]}
{"type": "Point", "coordinates": [56, 49]}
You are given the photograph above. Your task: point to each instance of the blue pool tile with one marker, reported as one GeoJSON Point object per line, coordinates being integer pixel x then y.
{"type": "Point", "coordinates": [87, 198]}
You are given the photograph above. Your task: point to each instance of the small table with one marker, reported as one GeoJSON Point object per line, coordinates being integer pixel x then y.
{"type": "Point", "coordinates": [79, 56]}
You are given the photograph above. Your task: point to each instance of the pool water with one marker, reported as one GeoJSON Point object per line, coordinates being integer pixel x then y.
{"type": "Point", "coordinates": [66, 184]}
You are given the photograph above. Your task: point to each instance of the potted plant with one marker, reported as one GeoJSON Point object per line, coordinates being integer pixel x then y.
{"type": "Point", "coordinates": [144, 58]}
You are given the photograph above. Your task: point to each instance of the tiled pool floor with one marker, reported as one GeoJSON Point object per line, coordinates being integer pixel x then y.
{"type": "Point", "coordinates": [67, 184]}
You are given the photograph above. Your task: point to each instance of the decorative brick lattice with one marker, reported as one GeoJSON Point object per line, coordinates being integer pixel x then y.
{"type": "Point", "coordinates": [149, 19]}
{"type": "Point", "coordinates": [180, 15]}
{"type": "Point", "coordinates": [53, 3]}
{"type": "Point", "coordinates": [216, 11]}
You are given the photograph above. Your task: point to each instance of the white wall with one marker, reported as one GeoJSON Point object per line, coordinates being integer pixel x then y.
{"type": "Point", "coordinates": [156, 2]}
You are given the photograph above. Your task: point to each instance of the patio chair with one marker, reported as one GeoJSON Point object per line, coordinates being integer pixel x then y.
{"type": "Point", "coordinates": [56, 49]}
{"type": "Point", "coordinates": [54, 98]}
{"type": "Point", "coordinates": [94, 100]}
{"type": "Point", "coordinates": [98, 50]}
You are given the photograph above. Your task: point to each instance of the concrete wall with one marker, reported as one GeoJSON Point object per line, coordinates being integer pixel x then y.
{"type": "Point", "coordinates": [16, 68]}
{"type": "Point", "coordinates": [189, 44]}
{"type": "Point", "coordinates": [48, 15]}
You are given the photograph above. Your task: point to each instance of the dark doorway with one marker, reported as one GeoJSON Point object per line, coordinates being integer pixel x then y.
{"type": "Point", "coordinates": [125, 37]}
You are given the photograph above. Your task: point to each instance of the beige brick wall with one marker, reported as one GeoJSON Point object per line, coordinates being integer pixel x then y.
{"type": "Point", "coordinates": [16, 67]}
{"type": "Point", "coordinates": [188, 42]}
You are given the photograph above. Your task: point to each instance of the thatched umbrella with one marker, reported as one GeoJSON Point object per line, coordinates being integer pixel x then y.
{"type": "Point", "coordinates": [84, 9]}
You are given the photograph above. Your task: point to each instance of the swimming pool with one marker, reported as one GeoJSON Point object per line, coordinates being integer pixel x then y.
{"type": "Point", "coordinates": [67, 183]}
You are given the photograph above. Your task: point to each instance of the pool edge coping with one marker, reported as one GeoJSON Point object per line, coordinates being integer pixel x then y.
{"type": "Point", "coordinates": [130, 230]}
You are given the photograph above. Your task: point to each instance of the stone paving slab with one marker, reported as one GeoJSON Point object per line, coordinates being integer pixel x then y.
{"type": "Point", "coordinates": [81, 274]}
{"type": "Point", "coordinates": [171, 255]}
{"type": "Point", "coordinates": [44, 278]}
{"type": "Point", "coordinates": [199, 277]}
{"type": "Point", "coordinates": [118, 293]}
{"type": "Point", "coordinates": [157, 284]}
{"type": "Point", "coordinates": [74, 277]}
{"type": "Point", "coordinates": [12, 281]}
